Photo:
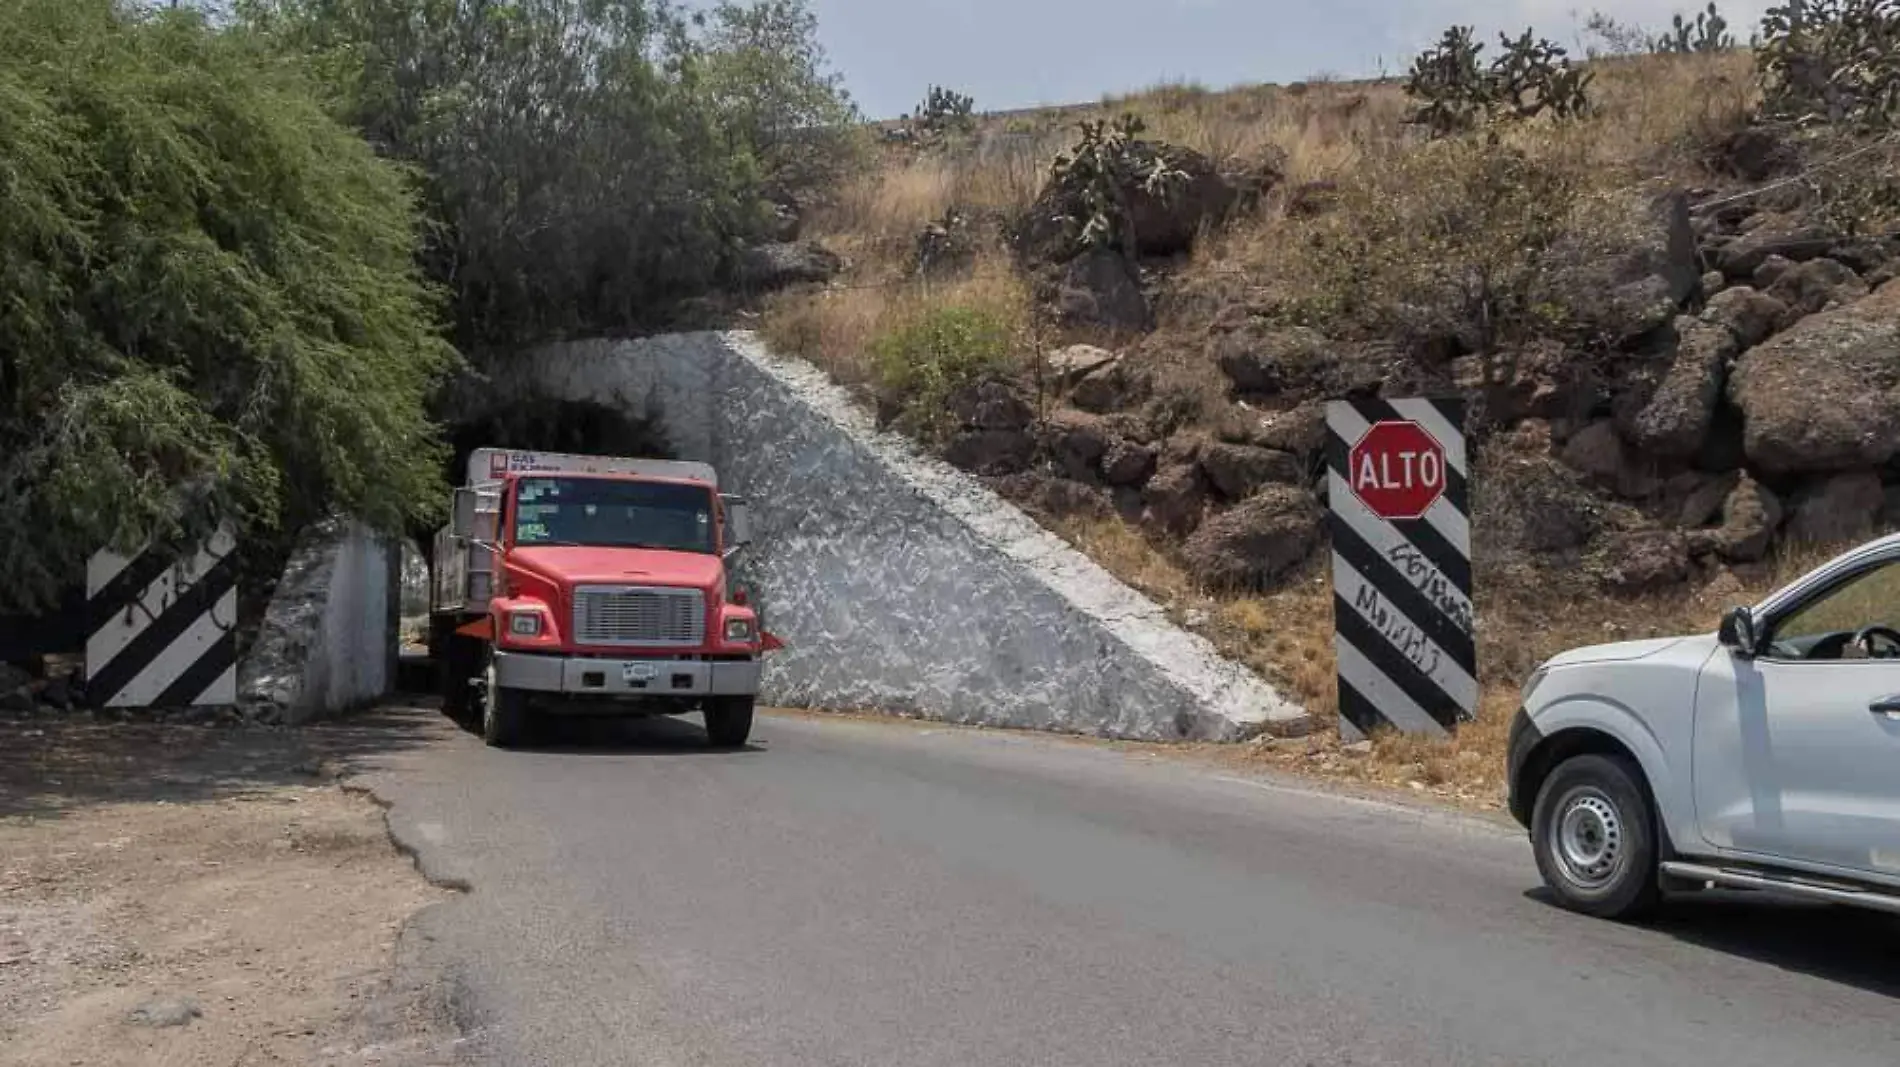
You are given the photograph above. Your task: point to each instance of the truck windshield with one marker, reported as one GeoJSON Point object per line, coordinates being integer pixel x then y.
{"type": "Point", "coordinates": [610, 513]}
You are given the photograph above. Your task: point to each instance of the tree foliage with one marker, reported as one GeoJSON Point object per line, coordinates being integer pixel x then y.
{"type": "Point", "coordinates": [209, 299]}
{"type": "Point", "coordinates": [585, 159]}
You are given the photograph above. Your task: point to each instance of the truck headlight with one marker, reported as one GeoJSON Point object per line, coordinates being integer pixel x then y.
{"type": "Point", "coordinates": [739, 630]}
{"type": "Point", "coordinates": [524, 623]}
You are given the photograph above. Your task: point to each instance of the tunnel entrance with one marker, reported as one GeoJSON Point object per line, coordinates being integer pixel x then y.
{"type": "Point", "coordinates": [542, 423]}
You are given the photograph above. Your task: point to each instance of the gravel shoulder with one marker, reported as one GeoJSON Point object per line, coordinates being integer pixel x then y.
{"type": "Point", "coordinates": [177, 894]}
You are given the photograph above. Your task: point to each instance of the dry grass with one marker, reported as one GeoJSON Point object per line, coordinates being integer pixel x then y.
{"type": "Point", "coordinates": [1656, 118]}
{"type": "Point", "coordinates": [1288, 637]}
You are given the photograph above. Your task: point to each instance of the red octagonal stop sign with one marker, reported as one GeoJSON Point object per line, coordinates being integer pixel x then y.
{"type": "Point", "coordinates": [1397, 470]}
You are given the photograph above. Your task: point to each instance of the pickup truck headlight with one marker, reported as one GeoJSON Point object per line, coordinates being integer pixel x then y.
{"type": "Point", "coordinates": [739, 630]}
{"type": "Point", "coordinates": [524, 623]}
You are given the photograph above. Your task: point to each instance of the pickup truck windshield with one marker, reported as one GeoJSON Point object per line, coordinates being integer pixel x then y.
{"type": "Point", "coordinates": [608, 513]}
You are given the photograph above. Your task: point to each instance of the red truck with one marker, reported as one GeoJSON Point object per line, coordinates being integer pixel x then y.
{"type": "Point", "coordinates": [577, 584]}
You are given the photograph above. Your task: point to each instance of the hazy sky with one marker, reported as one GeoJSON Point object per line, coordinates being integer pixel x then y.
{"type": "Point", "coordinates": [1018, 53]}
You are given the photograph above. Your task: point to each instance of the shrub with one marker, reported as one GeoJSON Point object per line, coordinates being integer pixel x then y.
{"type": "Point", "coordinates": [1456, 92]}
{"type": "Point", "coordinates": [212, 302]}
{"type": "Point", "coordinates": [942, 111]}
{"type": "Point", "coordinates": [1708, 33]}
{"type": "Point", "coordinates": [1094, 176]}
{"type": "Point", "coordinates": [1831, 61]}
{"type": "Point", "coordinates": [923, 362]}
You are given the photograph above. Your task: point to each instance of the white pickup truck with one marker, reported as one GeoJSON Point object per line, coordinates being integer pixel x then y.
{"type": "Point", "coordinates": [1765, 756]}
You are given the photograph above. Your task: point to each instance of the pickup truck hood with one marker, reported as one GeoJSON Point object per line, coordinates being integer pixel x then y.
{"type": "Point", "coordinates": [576, 565]}
{"type": "Point", "coordinates": [1620, 651]}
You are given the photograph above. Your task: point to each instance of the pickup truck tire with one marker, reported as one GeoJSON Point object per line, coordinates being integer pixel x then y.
{"type": "Point", "coordinates": [504, 713]}
{"type": "Point", "coordinates": [1593, 833]}
{"type": "Point", "coordinates": [728, 721]}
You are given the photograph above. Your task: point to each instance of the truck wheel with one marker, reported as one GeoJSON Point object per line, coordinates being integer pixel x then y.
{"type": "Point", "coordinates": [504, 712]}
{"type": "Point", "coordinates": [728, 721]}
{"type": "Point", "coordinates": [1593, 834]}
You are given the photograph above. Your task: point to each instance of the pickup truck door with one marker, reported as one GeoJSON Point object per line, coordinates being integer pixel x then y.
{"type": "Point", "coordinates": [1797, 749]}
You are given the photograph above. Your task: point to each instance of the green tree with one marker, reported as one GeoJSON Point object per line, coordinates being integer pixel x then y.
{"type": "Point", "coordinates": [209, 299]}
{"type": "Point", "coordinates": [586, 160]}
{"type": "Point", "coordinates": [762, 70]}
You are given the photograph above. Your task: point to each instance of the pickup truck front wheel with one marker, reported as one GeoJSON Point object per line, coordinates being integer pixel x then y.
{"type": "Point", "coordinates": [1593, 834]}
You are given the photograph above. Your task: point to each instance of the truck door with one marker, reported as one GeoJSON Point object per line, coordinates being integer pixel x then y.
{"type": "Point", "coordinates": [1797, 750]}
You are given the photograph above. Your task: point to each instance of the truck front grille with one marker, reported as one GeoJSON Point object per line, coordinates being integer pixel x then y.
{"type": "Point", "coordinates": [638, 615]}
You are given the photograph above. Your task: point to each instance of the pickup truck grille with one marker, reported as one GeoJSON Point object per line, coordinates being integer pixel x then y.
{"type": "Point", "coordinates": [638, 615]}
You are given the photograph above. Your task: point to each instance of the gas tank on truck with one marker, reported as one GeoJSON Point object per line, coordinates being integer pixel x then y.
{"type": "Point", "coordinates": [593, 585]}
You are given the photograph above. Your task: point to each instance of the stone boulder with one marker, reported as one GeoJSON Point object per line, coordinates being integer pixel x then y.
{"type": "Point", "coordinates": [1260, 360]}
{"type": "Point", "coordinates": [1175, 497]}
{"type": "Point", "coordinates": [1674, 421]}
{"type": "Point", "coordinates": [1252, 545]}
{"type": "Point", "coordinates": [1160, 225]}
{"type": "Point", "coordinates": [1824, 395]}
{"type": "Point", "coordinates": [990, 405]}
{"type": "Point", "coordinates": [765, 267]}
{"type": "Point", "coordinates": [1077, 441]}
{"type": "Point", "coordinates": [1114, 387]}
{"type": "Point", "coordinates": [1750, 517]}
{"type": "Point", "coordinates": [990, 452]}
{"type": "Point", "coordinates": [1843, 508]}
{"type": "Point", "coordinates": [1619, 286]}
{"type": "Point", "coordinates": [1128, 463]}
{"type": "Point", "coordinates": [1767, 236]}
{"type": "Point", "coordinates": [1641, 561]}
{"type": "Point", "coordinates": [1102, 289]}
{"type": "Point", "coordinates": [1598, 451]}
{"type": "Point", "coordinates": [1542, 380]}
{"type": "Point", "coordinates": [1072, 364]}
{"type": "Point", "coordinates": [1530, 502]}
{"type": "Point", "coordinates": [1813, 286]}
{"type": "Point", "coordinates": [1300, 430]}
{"type": "Point", "coordinates": [1236, 471]}
{"type": "Point", "coordinates": [1750, 314]}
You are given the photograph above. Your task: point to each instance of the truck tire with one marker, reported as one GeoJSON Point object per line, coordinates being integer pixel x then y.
{"type": "Point", "coordinates": [504, 713]}
{"type": "Point", "coordinates": [728, 721]}
{"type": "Point", "coordinates": [1593, 834]}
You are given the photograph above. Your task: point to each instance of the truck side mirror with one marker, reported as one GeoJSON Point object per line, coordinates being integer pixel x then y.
{"type": "Point", "coordinates": [471, 521]}
{"type": "Point", "coordinates": [738, 521]}
{"type": "Point", "coordinates": [1738, 631]}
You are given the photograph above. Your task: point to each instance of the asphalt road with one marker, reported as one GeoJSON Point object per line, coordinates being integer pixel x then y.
{"type": "Point", "coordinates": [893, 895]}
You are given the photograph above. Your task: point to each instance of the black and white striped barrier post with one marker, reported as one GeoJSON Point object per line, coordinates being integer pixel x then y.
{"type": "Point", "coordinates": [1398, 493]}
{"type": "Point", "coordinates": [162, 630]}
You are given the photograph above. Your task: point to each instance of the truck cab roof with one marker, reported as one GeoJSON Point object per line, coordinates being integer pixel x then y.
{"type": "Point", "coordinates": [496, 464]}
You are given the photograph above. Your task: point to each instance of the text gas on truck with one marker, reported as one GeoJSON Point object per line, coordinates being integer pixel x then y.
{"type": "Point", "coordinates": [572, 584]}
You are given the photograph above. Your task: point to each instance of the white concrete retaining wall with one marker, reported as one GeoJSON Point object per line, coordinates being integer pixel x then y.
{"type": "Point", "coordinates": [897, 582]}
{"type": "Point", "coordinates": [328, 641]}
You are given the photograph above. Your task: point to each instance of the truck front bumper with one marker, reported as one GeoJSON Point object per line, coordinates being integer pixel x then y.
{"type": "Point", "coordinates": [588, 676]}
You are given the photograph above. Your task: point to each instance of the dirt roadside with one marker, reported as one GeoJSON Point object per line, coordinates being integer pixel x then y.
{"type": "Point", "coordinates": [175, 894]}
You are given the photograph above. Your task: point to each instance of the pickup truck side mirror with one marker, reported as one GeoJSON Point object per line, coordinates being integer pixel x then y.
{"type": "Point", "coordinates": [1738, 631]}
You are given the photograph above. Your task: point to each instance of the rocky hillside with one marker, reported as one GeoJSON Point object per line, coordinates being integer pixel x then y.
{"type": "Point", "coordinates": [1670, 313]}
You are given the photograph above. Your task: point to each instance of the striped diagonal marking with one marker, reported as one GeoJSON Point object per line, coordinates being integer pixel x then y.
{"type": "Point", "coordinates": [1390, 705]}
{"type": "Point", "coordinates": [1446, 666]}
{"type": "Point", "coordinates": [106, 682]}
{"type": "Point", "coordinates": [1440, 564]}
{"type": "Point", "coordinates": [127, 619]}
